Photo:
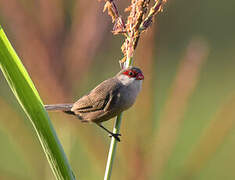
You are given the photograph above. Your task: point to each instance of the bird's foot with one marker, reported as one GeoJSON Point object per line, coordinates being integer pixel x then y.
{"type": "Point", "coordinates": [115, 136]}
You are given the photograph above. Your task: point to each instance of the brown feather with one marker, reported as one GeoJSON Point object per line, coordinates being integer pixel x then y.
{"type": "Point", "coordinates": [97, 104]}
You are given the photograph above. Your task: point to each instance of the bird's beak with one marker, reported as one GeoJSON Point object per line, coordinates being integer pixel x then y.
{"type": "Point", "coordinates": [140, 76]}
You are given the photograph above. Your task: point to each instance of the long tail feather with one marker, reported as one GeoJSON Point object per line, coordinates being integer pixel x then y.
{"type": "Point", "coordinates": [59, 107]}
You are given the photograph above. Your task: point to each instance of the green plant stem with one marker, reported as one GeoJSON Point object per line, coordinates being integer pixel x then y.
{"type": "Point", "coordinates": [116, 129]}
{"type": "Point", "coordinates": [112, 148]}
{"type": "Point", "coordinates": [29, 99]}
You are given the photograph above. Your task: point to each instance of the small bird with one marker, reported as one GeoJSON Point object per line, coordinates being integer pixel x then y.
{"type": "Point", "coordinates": [107, 100]}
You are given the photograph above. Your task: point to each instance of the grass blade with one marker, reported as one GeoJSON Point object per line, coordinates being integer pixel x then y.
{"type": "Point", "coordinates": [29, 99]}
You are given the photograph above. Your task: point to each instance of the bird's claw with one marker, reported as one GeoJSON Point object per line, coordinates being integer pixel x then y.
{"type": "Point", "coordinates": [115, 136]}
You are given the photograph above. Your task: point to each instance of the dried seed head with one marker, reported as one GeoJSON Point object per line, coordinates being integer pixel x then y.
{"type": "Point", "coordinates": [108, 6]}
{"type": "Point", "coordinates": [119, 26]}
{"type": "Point", "coordinates": [137, 21]}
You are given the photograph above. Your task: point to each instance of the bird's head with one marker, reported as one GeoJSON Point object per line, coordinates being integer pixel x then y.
{"type": "Point", "coordinates": [129, 75]}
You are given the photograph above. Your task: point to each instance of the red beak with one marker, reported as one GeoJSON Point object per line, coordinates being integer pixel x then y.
{"type": "Point", "coordinates": [140, 76]}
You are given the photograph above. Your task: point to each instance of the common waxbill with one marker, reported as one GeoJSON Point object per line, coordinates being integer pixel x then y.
{"type": "Point", "coordinates": [107, 100]}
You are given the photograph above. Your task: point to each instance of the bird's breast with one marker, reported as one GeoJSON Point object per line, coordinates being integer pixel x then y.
{"type": "Point", "coordinates": [128, 94]}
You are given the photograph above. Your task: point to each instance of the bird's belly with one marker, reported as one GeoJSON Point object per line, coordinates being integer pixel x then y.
{"type": "Point", "coordinates": [125, 100]}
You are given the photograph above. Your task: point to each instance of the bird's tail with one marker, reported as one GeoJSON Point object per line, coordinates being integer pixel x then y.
{"type": "Point", "coordinates": [59, 107]}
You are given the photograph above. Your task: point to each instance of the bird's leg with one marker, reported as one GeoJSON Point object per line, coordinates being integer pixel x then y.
{"type": "Point", "coordinates": [110, 133]}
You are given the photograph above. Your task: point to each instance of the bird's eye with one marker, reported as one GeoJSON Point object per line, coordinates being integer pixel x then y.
{"type": "Point", "coordinates": [131, 73]}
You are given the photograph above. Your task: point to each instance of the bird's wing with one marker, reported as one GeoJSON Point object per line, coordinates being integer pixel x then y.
{"type": "Point", "coordinates": [98, 99]}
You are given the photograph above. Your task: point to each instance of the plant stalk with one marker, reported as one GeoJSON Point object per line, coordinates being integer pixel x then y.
{"type": "Point", "coordinates": [112, 148]}
{"type": "Point", "coordinates": [116, 129]}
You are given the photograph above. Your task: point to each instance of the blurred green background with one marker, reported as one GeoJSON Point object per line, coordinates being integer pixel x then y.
{"type": "Point", "coordinates": [182, 125]}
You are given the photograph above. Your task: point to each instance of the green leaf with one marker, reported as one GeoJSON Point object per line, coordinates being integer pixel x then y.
{"type": "Point", "coordinates": [29, 99]}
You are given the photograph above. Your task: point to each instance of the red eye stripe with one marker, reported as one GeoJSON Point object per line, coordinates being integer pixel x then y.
{"type": "Point", "coordinates": [130, 73]}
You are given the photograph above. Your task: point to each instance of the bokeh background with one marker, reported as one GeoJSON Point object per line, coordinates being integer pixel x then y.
{"type": "Point", "coordinates": [182, 125]}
